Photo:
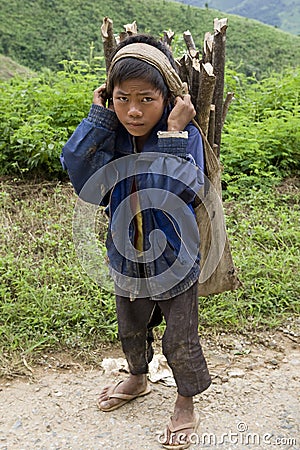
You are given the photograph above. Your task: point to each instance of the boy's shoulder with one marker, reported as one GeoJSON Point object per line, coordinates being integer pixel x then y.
{"type": "Point", "coordinates": [192, 129]}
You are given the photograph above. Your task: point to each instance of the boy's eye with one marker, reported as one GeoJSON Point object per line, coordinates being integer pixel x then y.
{"type": "Point", "coordinates": [122, 99]}
{"type": "Point", "coordinates": [147, 99]}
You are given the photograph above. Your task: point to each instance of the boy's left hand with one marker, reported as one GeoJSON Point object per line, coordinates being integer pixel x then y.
{"type": "Point", "coordinates": [182, 113]}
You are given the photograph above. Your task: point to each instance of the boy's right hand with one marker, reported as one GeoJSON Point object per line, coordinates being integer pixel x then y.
{"type": "Point", "coordinates": [182, 113]}
{"type": "Point", "coordinates": [100, 96]}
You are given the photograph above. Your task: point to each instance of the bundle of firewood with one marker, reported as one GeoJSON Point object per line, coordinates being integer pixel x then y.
{"type": "Point", "coordinates": [203, 72]}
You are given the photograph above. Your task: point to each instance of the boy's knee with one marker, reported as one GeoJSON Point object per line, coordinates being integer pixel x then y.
{"type": "Point", "coordinates": [174, 350]}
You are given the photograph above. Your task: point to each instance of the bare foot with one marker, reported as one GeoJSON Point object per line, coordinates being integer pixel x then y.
{"type": "Point", "coordinates": [176, 433]}
{"type": "Point", "coordinates": [133, 385]}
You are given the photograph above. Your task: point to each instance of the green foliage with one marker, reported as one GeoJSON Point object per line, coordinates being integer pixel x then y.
{"type": "Point", "coordinates": [263, 229]}
{"type": "Point", "coordinates": [260, 142]}
{"type": "Point", "coordinates": [40, 33]}
{"type": "Point", "coordinates": [261, 138]}
{"type": "Point", "coordinates": [39, 113]}
{"type": "Point", "coordinates": [49, 302]}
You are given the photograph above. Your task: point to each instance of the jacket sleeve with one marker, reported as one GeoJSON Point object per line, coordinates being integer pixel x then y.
{"type": "Point", "coordinates": [91, 146]}
{"type": "Point", "coordinates": [176, 168]}
{"type": "Point", "coordinates": [188, 145]}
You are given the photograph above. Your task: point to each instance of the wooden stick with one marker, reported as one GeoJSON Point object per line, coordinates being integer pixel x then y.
{"type": "Point", "coordinates": [108, 39]}
{"type": "Point", "coordinates": [211, 128]}
{"type": "Point", "coordinates": [131, 28]}
{"type": "Point", "coordinates": [208, 47]}
{"type": "Point", "coordinates": [205, 96]}
{"type": "Point", "coordinates": [218, 62]}
{"type": "Point", "coordinates": [122, 36]}
{"type": "Point", "coordinates": [195, 82]}
{"type": "Point", "coordinates": [168, 37]}
{"type": "Point", "coordinates": [190, 44]}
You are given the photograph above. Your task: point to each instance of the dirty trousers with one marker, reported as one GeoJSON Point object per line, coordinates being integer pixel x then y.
{"type": "Point", "coordinates": [180, 342]}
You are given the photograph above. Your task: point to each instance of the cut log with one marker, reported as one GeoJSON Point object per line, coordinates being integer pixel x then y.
{"type": "Point", "coordinates": [195, 82]}
{"type": "Point", "coordinates": [168, 37]}
{"type": "Point", "coordinates": [208, 47]}
{"type": "Point", "coordinates": [218, 273]}
{"type": "Point", "coordinates": [205, 79]}
{"type": "Point", "coordinates": [108, 39]}
{"type": "Point", "coordinates": [218, 62]}
{"type": "Point", "coordinates": [131, 28]}
{"type": "Point", "coordinates": [182, 69]}
{"type": "Point", "coordinates": [211, 126]}
{"type": "Point", "coordinates": [205, 96]}
{"type": "Point", "coordinates": [122, 36]}
{"type": "Point", "coordinates": [190, 44]}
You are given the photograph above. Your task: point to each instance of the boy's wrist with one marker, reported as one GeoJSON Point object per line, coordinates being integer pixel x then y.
{"type": "Point", "coordinates": [173, 142]}
{"type": "Point", "coordinates": [173, 134]}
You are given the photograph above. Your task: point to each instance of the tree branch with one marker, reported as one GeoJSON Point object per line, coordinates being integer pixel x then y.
{"type": "Point", "coordinates": [205, 96]}
{"type": "Point", "coordinates": [108, 39]}
{"type": "Point", "coordinates": [218, 62]}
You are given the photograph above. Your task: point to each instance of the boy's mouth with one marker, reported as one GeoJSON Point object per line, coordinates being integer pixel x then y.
{"type": "Point", "coordinates": [134, 124]}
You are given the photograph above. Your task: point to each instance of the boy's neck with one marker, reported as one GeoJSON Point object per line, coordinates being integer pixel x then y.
{"type": "Point", "coordinates": [139, 142]}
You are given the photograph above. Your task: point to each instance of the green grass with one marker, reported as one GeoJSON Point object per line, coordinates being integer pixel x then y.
{"type": "Point", "coordinates": [265, 239]}
{"type": "Point", "coordinates": [49, 302]}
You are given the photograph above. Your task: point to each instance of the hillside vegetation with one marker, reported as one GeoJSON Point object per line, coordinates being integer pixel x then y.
{"type": "Point", "coordinates": [10, 68]}
{"type": "Point", "coordinates": [260, 137]}
{"type": "Point", "coordinates": [40, 33]}
{"type": "Point", "coordinates": [284, 14]}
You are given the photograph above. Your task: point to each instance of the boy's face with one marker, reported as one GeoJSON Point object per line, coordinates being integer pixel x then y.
{"type": "Point", "coordinates": [139, 106]}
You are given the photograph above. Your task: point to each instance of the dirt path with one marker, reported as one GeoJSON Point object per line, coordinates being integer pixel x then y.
{"type": "Point", "coordinates": [253, 403]}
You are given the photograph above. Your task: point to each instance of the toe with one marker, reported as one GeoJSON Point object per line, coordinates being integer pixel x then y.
{"type": "Point", "coordinates": [104, 393]}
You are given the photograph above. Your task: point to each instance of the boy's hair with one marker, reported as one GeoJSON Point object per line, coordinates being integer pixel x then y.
{"type": "Point", "coordinates": [128, 68]}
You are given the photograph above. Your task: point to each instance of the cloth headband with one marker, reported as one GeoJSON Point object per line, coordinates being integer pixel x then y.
{"type": "Point", "coordinates": [156, 58]}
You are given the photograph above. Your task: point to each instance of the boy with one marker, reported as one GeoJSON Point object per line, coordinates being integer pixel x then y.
{"type": "Point", "coordinates": [148, 118]}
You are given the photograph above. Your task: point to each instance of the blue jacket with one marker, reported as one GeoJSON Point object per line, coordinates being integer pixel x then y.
{"type": "Point", "coordinates": [105, 169]}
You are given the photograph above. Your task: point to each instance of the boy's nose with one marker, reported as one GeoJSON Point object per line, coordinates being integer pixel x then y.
{"type": "Point", "coordinates": [134, 111]}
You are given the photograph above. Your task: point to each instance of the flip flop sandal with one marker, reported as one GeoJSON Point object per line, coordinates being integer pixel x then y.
{"type": "Point", "coordinates": [124, 398]}
{"type": "Point", "coordinates": [194, 425]}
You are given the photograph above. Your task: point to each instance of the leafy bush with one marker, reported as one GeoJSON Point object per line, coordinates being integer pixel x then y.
{"type": "Point", "coordinates": [39, 114]}
{"type": "Point", "coordinates": [261, 138]}
{"type": "Point", "coordinates": [260, 142]}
